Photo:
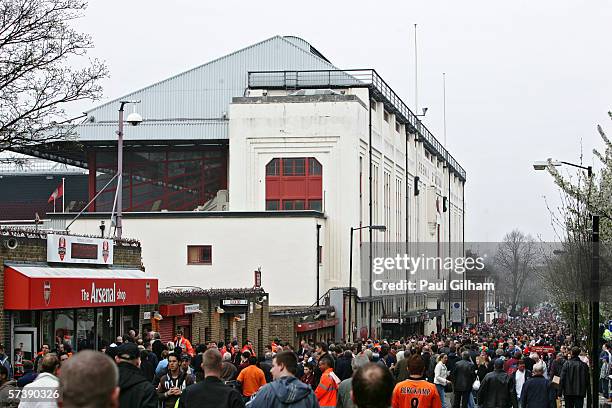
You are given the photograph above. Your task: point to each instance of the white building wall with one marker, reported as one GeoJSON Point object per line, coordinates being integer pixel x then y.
{"type": "Point", "coordinates": [336, 133]}
{"type": "Point", "coordinates": [284, 248]}
{"type": "Point", "coordinates": [327, 131]}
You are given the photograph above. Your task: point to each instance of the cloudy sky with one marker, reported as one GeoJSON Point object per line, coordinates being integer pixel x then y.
{"type": "Point", "coordinates": [525, 80]}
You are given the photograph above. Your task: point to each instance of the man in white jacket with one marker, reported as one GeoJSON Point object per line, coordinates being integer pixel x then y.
{"type": "Point", "coordinates": [44, 391]}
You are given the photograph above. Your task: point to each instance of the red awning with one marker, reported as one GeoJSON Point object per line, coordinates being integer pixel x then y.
{"type": "Point", "coordinates": [319, 324]}
{"type": "Point", "coordinates": [39, 287]}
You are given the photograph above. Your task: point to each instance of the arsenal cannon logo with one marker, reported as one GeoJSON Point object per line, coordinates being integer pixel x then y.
{"type": "Point", "coordinates": [47, 292]}
{"type": "Point", "coordinates": [61, 248]}
{"type": "Point", "coordinates": [105, 250]}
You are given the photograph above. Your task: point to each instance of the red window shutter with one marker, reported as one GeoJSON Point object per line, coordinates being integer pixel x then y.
{"type": "Point", "coordinates": [166, 329]}
{"type": "Point", "coordinates": [184, 320]}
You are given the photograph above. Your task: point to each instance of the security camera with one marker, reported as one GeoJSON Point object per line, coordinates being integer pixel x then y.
{"type": "Point", "coordinates": [11, 243]}
{"type": "Point", "coordinates": [134, 119]}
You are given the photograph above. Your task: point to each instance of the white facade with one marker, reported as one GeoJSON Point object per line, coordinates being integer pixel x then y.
{"type": "Point", "coordinates": [283, 246]}
{"type": "Point", "coordinates": [334, 129]}
{"type": "Point", "coordinates": [335, 132]}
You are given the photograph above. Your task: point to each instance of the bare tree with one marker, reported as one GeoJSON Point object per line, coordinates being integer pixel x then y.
{"type": "Point", "coordinates": [37, 45]}
{"type": "Point", "coordinates": [516, 261]}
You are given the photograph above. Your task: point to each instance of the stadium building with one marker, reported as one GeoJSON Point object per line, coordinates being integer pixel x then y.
{"type": "Point", "coordinates": [264, 159]}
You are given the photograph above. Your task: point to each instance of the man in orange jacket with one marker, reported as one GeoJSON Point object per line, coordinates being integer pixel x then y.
{"type": "Point", "coordinates": [327, 390]}
{"type": "Point", "coordinates": [183, 343]}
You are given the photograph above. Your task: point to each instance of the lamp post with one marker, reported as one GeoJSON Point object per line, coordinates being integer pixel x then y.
{"type": "Point", "coordinates": [350, 310]}
{"type": "Point", "coordinates": [595, 290]}
{"type": "Point", "coordinates": [133, 119]}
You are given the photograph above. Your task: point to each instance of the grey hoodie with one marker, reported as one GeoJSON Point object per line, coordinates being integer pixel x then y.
{"type": "Point", "coordinates": [283, 392]}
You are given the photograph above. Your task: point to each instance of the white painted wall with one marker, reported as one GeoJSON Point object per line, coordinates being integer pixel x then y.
{"type": "Point", "coordinates": [336, 133]}
{"type": "Point", "coordinates": [328, 131]}
{"type": "Point", "coordinates": [284, 247]}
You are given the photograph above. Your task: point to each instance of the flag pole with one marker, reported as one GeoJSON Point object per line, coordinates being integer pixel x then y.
{"type": "Point", "coordinates": [63, 194]}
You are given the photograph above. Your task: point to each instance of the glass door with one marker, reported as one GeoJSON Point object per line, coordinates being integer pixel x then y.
{"type": "Point", "coordinates": [85, 334]}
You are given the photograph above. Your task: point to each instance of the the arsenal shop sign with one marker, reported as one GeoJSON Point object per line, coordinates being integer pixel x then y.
{"type": "Point", "coordinates": [83, 250]}
{"type": "Point", "coordinates": [40, 293]}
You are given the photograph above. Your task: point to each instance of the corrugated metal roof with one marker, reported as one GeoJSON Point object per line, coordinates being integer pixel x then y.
{"type": "Point", "coordinates": [162, 130]}
{"type": "Point", "coordinates": [203, 93]}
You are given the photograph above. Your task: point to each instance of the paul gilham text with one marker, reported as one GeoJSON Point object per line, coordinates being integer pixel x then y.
{"type": "Point", "coordinates": [425, 285]}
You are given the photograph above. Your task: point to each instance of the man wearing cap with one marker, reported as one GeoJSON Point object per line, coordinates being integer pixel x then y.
{"type": "Point", "coordinates": [497, 389]}
{"type": "Point", "coordinates": [135, 390]}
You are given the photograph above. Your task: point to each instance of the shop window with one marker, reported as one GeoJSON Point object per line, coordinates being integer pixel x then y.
{"type": "Point", "coordinates": [64, 328]}
{"type": "Point", "coordinates": [199, 254]}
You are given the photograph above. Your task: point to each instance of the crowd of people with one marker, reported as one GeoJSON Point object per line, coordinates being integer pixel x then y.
{"type": "Point", "coordinates": [525, 362]}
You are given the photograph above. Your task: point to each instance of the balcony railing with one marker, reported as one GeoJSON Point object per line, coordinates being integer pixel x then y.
{"type": "Point", "coordinates": [356, 78]}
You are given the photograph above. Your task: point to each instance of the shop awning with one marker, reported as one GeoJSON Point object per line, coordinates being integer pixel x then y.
{"type": "Point", "coordinates": [40, 287]}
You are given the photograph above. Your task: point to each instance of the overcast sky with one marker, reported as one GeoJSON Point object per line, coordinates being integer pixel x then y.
{"type": "Point", "coordinates": [525, 80]}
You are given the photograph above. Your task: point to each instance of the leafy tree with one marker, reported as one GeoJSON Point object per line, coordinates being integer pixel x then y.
{"type": "Point", "coordinates": [37, 48]}
{"type": "Point", "coordinates": [567, 273]}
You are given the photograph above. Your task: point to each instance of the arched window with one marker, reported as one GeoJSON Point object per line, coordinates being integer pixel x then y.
{"type": "Point", "coordinates": [294, 184]}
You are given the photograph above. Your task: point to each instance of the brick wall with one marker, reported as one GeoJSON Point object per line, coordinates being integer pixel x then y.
{"type": "Point", "coordinates": [283, 328]}
{"type": "Point", "coordinates": [211, 325]}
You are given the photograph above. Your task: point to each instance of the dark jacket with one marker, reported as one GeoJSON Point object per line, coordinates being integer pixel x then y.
{"type": "Point", "coordinates": [463, 375]}
{"type": "Point", "coordinates": [343, 367]}
{"type": "Point", "coordinates": [167, 382]}
{"type": "Point", "coordinates": [497, 390]}
{"type": "Point", "coordinates": [266, 367]}
{"type": "Point", "coordinates": [135, 390]}
{"type": "Point", "coordinates": [453, 359]}
{"type": "Point", "coordinates": [157, 347]}
{"type": "Point", "coordinates": [211, 392]}
{"type": "Point", "coordinates": [284, 392]}
{"type": "Point", "coordinates": [401, 370]}
{"type": "Point", "coordinates": [575, 378]}
{"type": "Point", "coordinates": [529, 363]}
{"type": "Point", "coordinates": [555, 367]}
{"type": "Point", "coordinates": [481, 371]}
{"type": "Point", "coordinates": [26, 378]}
{"type": "Point", "coordinates": [147, 369]}
{"type": "Point", "coordinates": [537, 393]}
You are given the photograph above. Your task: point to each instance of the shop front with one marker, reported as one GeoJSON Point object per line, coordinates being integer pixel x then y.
{"type": "Point", "coordinates": [392, 327]}
{"type": "Point", "coordinates": [175, 317]}
{"type": "Point", "coordinates": [81, 307]}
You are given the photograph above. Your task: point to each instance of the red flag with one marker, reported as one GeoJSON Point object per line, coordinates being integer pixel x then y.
{"type": "Point", "coordinates": [59, 191]}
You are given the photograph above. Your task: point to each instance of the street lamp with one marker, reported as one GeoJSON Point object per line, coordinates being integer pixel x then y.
{"type": "Point", "coordinates": [381, 228]}
{"type": "Point", "coordinates": [133, 119]}
{"type": "Point", "coordinates": [595, 290]}
{"type": "Point", "coordinates": [543, 164]}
